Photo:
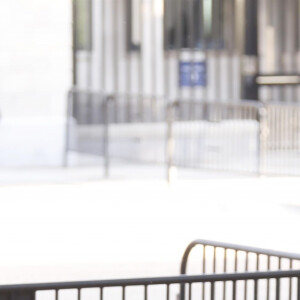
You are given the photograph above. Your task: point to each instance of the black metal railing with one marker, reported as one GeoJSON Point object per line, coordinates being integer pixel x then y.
{"type": "Point", "coordinates": [219, 285]}
{"type": "Point", "coordinates": [239, 252]}
{"type": "Point", "coordinates": [218, 257]}
{"type": "Point", "coordinates": [239, 283]}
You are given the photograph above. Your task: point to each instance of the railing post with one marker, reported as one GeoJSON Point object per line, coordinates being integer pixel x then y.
{"type": "Point", "coordinates": [106, 112]}
{"type": "Point", "coordinates": [298, 288]}
{"type": "Point", "coordinates": [262, 140]}
{"type": "Point", "coordinates": [68, 126]}
{"type": "Point", "coordinates": [170, 141]}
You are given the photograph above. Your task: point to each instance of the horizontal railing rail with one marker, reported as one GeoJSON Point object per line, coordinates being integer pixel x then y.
{"type": "Point", "coordinates": [28, 291]}
{"type": "Point", "coordinates": [150, 281]}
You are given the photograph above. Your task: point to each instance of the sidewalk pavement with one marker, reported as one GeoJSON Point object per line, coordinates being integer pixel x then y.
{"type": "Point", "coordinates": [70, 224]}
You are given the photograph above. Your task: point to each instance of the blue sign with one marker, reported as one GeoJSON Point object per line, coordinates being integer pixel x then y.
{"type": "Point", "coordinates": [192, 74]}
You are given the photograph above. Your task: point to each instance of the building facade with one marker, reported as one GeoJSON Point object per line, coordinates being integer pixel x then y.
{"type": "Point", "coordinates": [35, 76]}
{"type": "Point", "coordinates": [208, 50]}
{"type": "Point", "coordinates": [145, 53]}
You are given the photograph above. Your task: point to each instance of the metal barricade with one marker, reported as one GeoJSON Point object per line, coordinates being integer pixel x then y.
{"type": "Point", "coordinates": [218, 257]}
{"type": "Point", "coordinates": [282, 139]}
{"type": "Point", "coordinates": [164, 288]}
{"type": "Point", "coordinates": [217, 136]}
{"type": "Point", "coordinates": [235, 285]}
{"type": "Point", "coordinates": [87, 131]}
{"type": "Point", "coordinates": [103, 127]}
{"type": "Point", "coordinates": [245, 137]}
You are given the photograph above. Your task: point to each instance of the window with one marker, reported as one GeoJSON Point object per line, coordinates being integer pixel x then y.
{"type": "Point", "coordinates": [194, 24]}
{"type": "Point", "coordinates": [83, 24]}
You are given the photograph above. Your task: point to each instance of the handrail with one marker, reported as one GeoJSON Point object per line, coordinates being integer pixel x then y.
{"type": "Point", "coordinates": [180, 279]}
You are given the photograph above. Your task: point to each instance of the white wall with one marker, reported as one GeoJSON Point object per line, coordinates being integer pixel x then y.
{"type": "Point", "coordinates": [35, 74]}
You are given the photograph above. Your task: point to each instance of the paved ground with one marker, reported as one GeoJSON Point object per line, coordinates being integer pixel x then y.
{"type": "Point", "coordinates": [68, 225]}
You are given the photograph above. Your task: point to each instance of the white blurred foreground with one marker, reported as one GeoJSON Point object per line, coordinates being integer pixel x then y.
{"type": "Point", "coordinates": [76, 227]}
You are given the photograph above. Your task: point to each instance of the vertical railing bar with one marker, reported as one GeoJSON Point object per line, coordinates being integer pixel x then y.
{"type": "Point", "coordinates": [224, 269]}
{"type": "Point", "coordinates": [56, 294]}
{"type": "Point", "coordinates": [255, 290]}
{"type": "Point", "coordinates": [212, 291]}
{"type": "Point", "coordinates": [106, 115]}
{"type": "Point", "coordinates": [101, 294]}
{"type": "Point", "coordinates": [123, 292]}
{"type": "Point", "coordinates": [214, 260]}
{"type": "Point", "coordinates": [234, 290]}
{"type": "Point", "coordinates": [225, 260]}
{"type": "Point", "coordinates": [277, 289]}
{"type": "Point", "coordinates": [203, 271]}
{"type": "Point", "coordinates": [170, 140]}
{"type": "Point", "coordinates": [235, 260]}
{"type": "Point", "coordinates": [268, 281]}
{"type": "Point", "coordinates": [298, 288]}
{"type": "Point", "coordinates": [290, 280]}
{"type": "Point", "coordinates": [70, 101]}
{"type": "Point", "coordinates": [288, 133]}
{"type": "Point", "coordinates": [281, 121]}
{"type": "Point", "coordinates": [190, 291]}
{"type": "Point", "coordinates": [145, 292]}
{"type": "Point", "coordinates": [279, 263]}
{"type": "Point", "coordinates": [168, 292]}
{"type": "Point", "coordinates": [246, 269]}
{"type": "Point", "coordinates": [235, 270]}
{"type": "Point", "coordinates": [275, 129]}
{"type": "Point", "coordinates": [203, 259]}
{"type": "Point", "coordinates": [78, 294]}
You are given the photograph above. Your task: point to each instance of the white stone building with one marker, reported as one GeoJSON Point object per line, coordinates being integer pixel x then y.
{"type": "Point", "coordinates": [158, 50]}
{"type": "Point", "coordinates": [35, 75]}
